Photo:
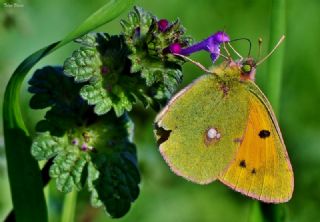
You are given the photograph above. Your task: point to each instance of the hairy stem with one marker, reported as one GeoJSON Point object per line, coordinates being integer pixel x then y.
{"type": "Point", "coordinates": [69, 206]}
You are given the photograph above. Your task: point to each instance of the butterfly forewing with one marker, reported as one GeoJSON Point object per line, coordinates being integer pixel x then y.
{"type": "Point", "coordinates": [200, 128]}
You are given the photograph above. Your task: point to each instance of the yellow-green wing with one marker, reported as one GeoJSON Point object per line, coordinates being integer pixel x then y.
{"type": "Point", "coordinates": [182, 128]}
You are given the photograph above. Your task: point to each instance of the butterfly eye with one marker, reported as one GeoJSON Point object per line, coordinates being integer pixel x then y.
{"type": "Point", "coordinates": [246, 68]}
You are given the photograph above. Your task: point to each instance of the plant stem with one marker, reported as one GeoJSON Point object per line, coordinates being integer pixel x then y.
{"type": "Point", "coordinates": [69, 206]}
{"type": "Point", "coordinates": [256, 214]}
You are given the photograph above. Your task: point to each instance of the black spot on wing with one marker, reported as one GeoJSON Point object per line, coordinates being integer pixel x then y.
{"type": "Point", "coordinates": [253, 171]}
{"type": "Point", "coordinates": [238, 140]}
{"type": "Point", "coordinates": [243, 164]}
{"type": "Point", "coordinates": [264, 134]}
{"type": "Point", "coordinates": [162, 133]}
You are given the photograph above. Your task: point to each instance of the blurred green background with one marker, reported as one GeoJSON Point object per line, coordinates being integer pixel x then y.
{"type": "Point", "coordinates": [164, 196]}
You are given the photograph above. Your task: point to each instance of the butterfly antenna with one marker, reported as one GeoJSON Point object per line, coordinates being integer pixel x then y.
{"type": "Point", "coordinates": [227, 51]}
{"type": "Point", "coordinates": [260, 47]}
{"type": "Point", "coordinates": [194, 62]}
{"type": "Point", "coordinates": [224, 56]}
{"type": "Point", "coordinates": [270, 53]}
{"type": "Point", "coordinates": [248, 40]}
{"type": "Point", "coordinates": [235, 51]}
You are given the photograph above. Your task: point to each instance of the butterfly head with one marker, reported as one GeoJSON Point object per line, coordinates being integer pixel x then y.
{"type": "Point", "coordinates": [242, 70]}
{"type": "Point", "coordinates": [247, 68]}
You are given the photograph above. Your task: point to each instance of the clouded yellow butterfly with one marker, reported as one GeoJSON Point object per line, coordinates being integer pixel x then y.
{"type": "Point", "coordinates": [222, 127]}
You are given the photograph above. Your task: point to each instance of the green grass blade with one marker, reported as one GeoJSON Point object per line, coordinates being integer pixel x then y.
{"type": "Point", "coordinates": [271, 212]}
{"type": "Point", "coordinates": [275, 62]}
{"type": "Point", "coordinates": [23, 170]}
{"type": "Point", "coordinates": [105, 14]}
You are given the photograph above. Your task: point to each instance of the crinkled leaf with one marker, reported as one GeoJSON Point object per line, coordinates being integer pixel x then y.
{"type": "Point", "coordinates": [98, 96]}
{"type": "Point", "coordinates": [87, 40]}
{"type": "Point", "coordinates": [57, 121]}
{"type": "Point", "coordinates": [116, 162]}
{"type": "Point", "coordinates": [53, 89]}
{"type": "Point", "coordinates": [46, 146]}
{"type": "Point", "coordinates": [68, 169]}
{"type": "Point", "coordinates": [85, 154]}
{"type": "Point", "coordinates": [84, 63]}
{"type": "Point", "coordinates": [105, 88]}
{"type": "Point", "coordinates": [50, 87]}
{"type": "Point", "coordinates": [118, 183]}
{"type": "Point", "coordinates": [69, 165]}
{"type": "Point", "coordinates": [93, 174]}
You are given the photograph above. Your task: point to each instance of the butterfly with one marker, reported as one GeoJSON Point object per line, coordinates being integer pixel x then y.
{"type": "Point", "coordinates": [222, 127]}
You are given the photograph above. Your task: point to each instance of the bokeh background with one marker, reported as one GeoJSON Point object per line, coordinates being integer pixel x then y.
{"type": "Point", "coordinates": [164, 196]}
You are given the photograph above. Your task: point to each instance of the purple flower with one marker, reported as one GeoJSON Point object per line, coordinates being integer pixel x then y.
{"type": "Point", "coordinates": [221, 37]}
{"type": "Point", "coordinates": [84, 147]}
{"type": "Point", "coordinates": [104, 70]}
{"type": "Point", "coordinates": [163, 25]}
{"type": "Point", "coordinates": [210, 44]}
{"type": "Point", "coordinates": [175, 48]}
{"type": "Point", "coordinates": [75, 142]}
{"type": "Point", "coordinates": [137, 33]}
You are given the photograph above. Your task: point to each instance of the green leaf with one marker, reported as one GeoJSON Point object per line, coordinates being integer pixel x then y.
{"type": "Point", "coordinates": [57, 121]}
{"type": "Point", "coordinates": [84, 64]}
{"type": "Point", "coordinates": [118, 183]}
{"type": "Point", "coordinates": [97, 95]}
{"type": "Point", "coordinates": [68, 170]}
{"type": "Point", "coordinates": [45, 146]}
{"type": "Point", "coordinates": [68, 110]}
{"type": "Point", "coordinates": [25, 183]}
{"type": "Point", "coordinates": [70, 159]}
{"type": "Point", "coordinates": [93, 174]}
{"type": "Point", "coordinates": [114, 176]}
{"type": "Point", "coordinates": [103, 69]}
{"type": "Point", "coordinates": [86, 154]}
{"type": "Point", "coordinates": [49, 87]}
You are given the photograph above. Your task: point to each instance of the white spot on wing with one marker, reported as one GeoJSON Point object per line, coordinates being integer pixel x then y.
{"type": "Point", "coordinates": [212, 133]}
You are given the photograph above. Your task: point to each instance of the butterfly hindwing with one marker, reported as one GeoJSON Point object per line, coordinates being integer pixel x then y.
{"type": "Point", "coordinates": [261, 168]}
{"type": "Point", "coordinates": [182, 128]}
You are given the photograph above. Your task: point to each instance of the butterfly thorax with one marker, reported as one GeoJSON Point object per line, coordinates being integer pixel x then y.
{"type": "Point", "coordinates": [241, 70]}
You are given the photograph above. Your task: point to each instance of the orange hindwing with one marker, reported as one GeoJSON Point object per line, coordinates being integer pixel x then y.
{"type": "Point", "coordinates": [261, 168]}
